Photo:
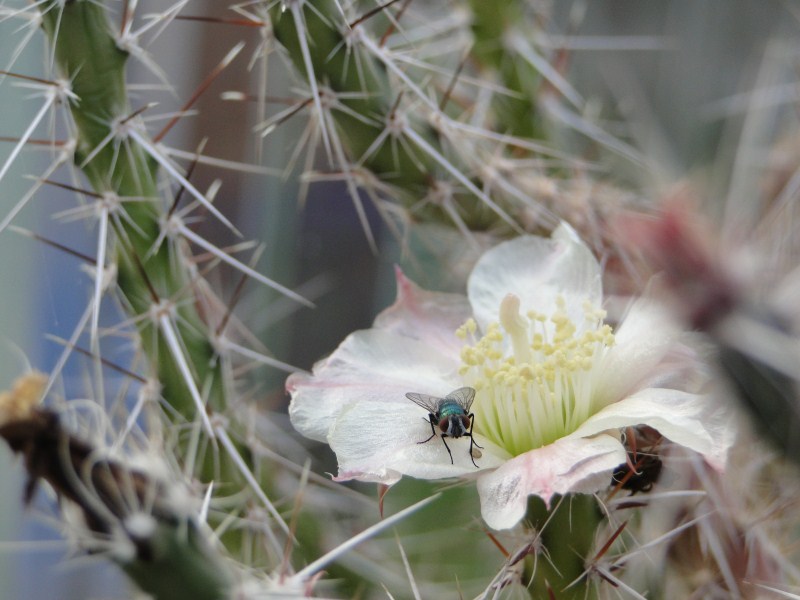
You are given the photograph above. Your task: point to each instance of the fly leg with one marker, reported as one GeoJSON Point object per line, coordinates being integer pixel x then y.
{"type": "Point", "coordinates": [471, 425]}
{"type": "Point", "coordinates": [431, 418]}
{"type": "Point", "coordinates": [444, 435]}
{"type": "Point", "coordinates": [472, 441]}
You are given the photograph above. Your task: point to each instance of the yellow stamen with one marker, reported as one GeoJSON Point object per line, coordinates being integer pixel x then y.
{"type": "Point", "coordinates": [534, 375]}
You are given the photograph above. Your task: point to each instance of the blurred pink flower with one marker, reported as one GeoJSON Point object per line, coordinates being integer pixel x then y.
{"type": "Point", "coordinates": [554, 384]}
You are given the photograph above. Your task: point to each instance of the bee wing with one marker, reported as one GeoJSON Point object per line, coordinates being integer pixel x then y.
{"type": "Point", "coordinates": [429, 403]}
{"type": "Point", "coordinates": [464, 396]}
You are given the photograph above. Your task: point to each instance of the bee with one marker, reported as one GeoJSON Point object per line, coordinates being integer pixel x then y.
{"type": "Point", "coordinates": [641, 470]}
{"type": "Point", "coordinates": [451, 415]}
{"type": "Point", "coordinates": [647, 470]}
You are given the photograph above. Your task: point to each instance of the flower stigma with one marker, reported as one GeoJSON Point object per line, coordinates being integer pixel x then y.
{"type": "Point", "coordinates": [535, 375]}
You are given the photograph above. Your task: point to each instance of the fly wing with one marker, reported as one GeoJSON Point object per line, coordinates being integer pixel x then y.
{"type": "Point", "coordinates": [464, 396]}
{"type": "Point", "coordinates": [429, 403]}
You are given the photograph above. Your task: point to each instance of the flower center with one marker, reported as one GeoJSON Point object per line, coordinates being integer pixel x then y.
{"type": "Point", "coordinates": [534, 375]}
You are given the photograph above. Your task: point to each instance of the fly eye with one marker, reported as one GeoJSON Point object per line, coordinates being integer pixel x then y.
{"type": "Point", "coordinates": [465, 421]}
{"type": "Point", "coordinates": [444, 424]}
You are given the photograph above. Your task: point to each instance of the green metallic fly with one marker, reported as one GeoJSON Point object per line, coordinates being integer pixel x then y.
{"type": "Point", "coordinates": [451, 415]}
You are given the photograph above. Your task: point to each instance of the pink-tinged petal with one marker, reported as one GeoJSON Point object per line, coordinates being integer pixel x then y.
{"type": "Point", "coordinates": [380, 443]}
{"type": "Point", "coordinates": [646, 336]}
{"type": "Point", "coordinates": [372, 365]}
{"type": "Point", "coordinates": [538, 270]}
{"type": "Point", "coordinates": [699, 422]}
{"type": "Point", "coordinates": [566, 465]}
{"type": "Point", "coordinates": [431, 317]}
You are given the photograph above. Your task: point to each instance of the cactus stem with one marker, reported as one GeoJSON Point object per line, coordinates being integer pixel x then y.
{"type": "Point", "coordinates": [296, 8]}
{"type": "Point", "coordinates": [168, 167]}
{"type": "Point", "coordinates": [165, 325]}
{"type": "Point", "coordinates": [460, 177]}
{"type": "Point", "coordinates": [176, 225]}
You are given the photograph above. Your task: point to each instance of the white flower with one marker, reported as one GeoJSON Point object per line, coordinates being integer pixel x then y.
{"type": "Point", "coordinates": [554, 384]}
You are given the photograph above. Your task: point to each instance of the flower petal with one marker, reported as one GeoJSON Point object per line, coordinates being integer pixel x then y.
{"type": "Point", "coordinates": [431, 317]}
{"type": "Point", "coordinates": [644, 338]}
{"type": "Point", "coordinates": [698, 422]}
{"type": "Point", "coordinates": [376, 442]}
{"type": "Point", "coordinates": [375, 365]}
{"type": "Point", "coordinates": [566, 465]}
{"type": "Point", "coordinates": [538, 270]}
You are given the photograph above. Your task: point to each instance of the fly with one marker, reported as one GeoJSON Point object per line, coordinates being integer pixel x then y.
{"type": "Point", "coordinates": [451, 415]}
